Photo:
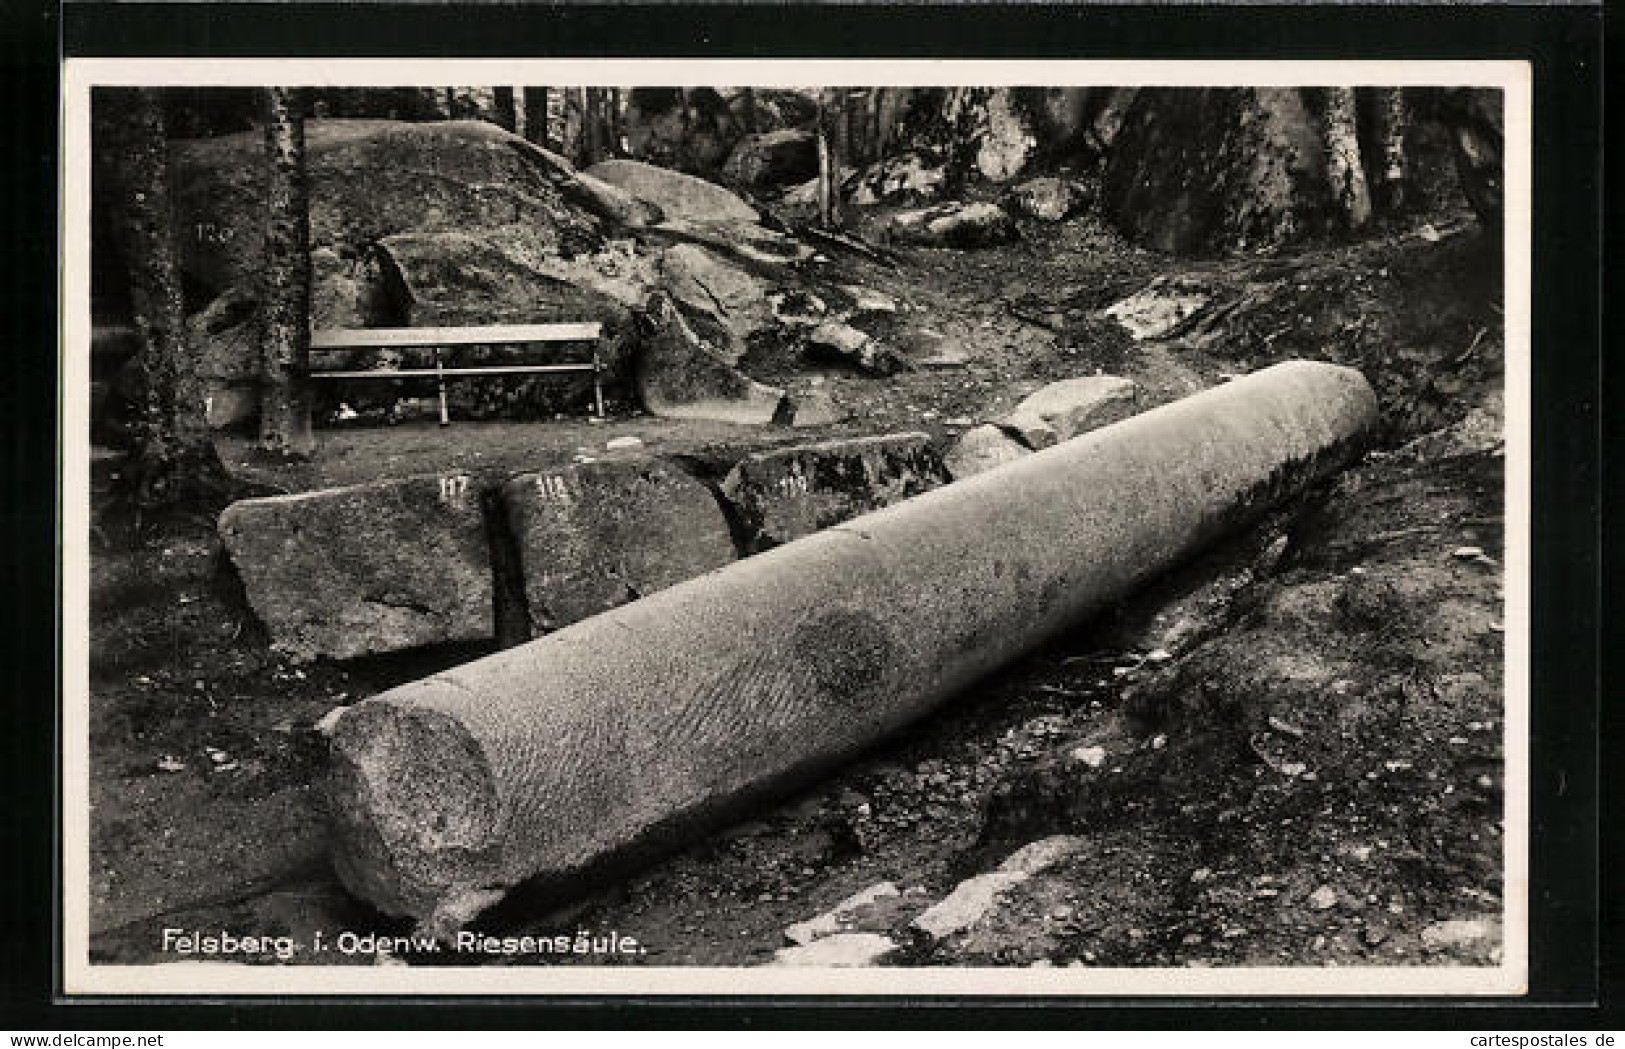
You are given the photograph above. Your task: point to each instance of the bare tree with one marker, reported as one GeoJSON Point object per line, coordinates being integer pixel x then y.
{"type": "Point", "coordinates": [615, 120]}
{"type": "Point", "coordinates": [596, 125]}
{"type": "Point", "coordinates": [175, 457]}
{"type": "Point", "coordinates": [1390, 121]}
{"type": "Point", "coordinates": [594, 129]}
{"type": "Point", "coordinates": [573, 126]}
{"type": "Point", "coordinates": [829, 163]}
{"type": "Point", "coordinates": [1344, 170]}
{"type": "Point", "coordinates": [285, 349]}
{"type": "Point", "coordinates": [537, 122]}
{"type": "Point", "coordinates": [520, 114]}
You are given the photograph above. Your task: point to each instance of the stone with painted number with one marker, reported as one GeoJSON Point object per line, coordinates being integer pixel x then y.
{"type": "Point", "coordinates": [367, 569]}
{"type": "Point", "coordinates": [784, 494]}
{"type": "Point", "coordinates": [596, 535]}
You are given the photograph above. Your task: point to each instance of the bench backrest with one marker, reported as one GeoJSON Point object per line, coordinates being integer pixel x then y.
{"type": "Point", "coordinates": [480, 335]}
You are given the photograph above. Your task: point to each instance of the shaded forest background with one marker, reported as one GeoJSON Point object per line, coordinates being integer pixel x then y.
{"type": "Point", "coordinates": [203, 242]}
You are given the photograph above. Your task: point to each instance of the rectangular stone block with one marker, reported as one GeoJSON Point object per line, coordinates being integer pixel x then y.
{"type": "Point", "coordinates": [784, 494]}
{"type": "Point", "coordinates": [597, 535]}
{"type": "Point", "coordinates": [373, 568]}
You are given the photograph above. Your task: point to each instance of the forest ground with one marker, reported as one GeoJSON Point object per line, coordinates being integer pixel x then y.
{"type": "Point", "coordinates": [1305, 726]}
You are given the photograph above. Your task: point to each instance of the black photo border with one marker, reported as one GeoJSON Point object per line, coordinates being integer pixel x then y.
{"type": "Point", "coordinates": [1569, 917]}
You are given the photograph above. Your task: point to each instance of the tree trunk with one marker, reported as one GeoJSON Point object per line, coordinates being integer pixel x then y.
{"type": "Point", "coordinates": [1477, 126]}
{"type": "Point", "coordinates": [1345, 173]}
{"type": "Point", "coordinates": [614, 121]}
{"type": "Point", "coordinates": [1390, 121]}
{"type": "Point", "coordinates": [573, 126]}
{"type": "Point", "coordinates": [890, 106]}
{"type": "Point", "coordinates": [829, 162]}
{"type": "Point", "coordinates": [285, 349]}
{"type": "Point", "coordinates": [176, 461]}
{"type": "Point", "coordinates": [507, 108]}
{"type": "Point", "coordinates": [596, 125]}
{"type": "Point", "coordinates": [536, 116]}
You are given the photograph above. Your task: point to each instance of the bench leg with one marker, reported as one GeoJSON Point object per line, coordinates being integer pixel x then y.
{"type": "Point", "coordinates": [440, 381]}
{"type": "Point", "coordinates": [597, 384]}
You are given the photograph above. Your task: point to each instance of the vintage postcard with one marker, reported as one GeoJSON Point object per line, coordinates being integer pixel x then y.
{"type": "Point", "coordinates": [795, 527]}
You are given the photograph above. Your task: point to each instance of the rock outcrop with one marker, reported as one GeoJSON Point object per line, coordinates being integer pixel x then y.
{"type": "Point", "coordinates": [1063, 410]}
{"type": "Point", "coordinates": [837, 340]}
{"type": "Point", "coordinates": [679, 375]}
{"type": "Point", "coordinates": [369, 179]}
{"type": "Point", "coordinates": [913, 177]}
{"type": "Point", "coordinates": [955, 225]}
{"type": "Point", "coordinates": [678, 196]}
{"type": "Point", "coordinates": [726, 302]}
{"type": "Point", "coordinates": [776, 158]}
{"type": "Point", "coordinates": [1047, 199]}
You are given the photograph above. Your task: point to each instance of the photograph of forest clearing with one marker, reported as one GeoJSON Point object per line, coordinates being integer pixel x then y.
{"type": "Point", "coordinates": [891, 527]}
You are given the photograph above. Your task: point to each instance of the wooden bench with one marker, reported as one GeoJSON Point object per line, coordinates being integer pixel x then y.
{"type": "Point", "coordinates": [443, 339]}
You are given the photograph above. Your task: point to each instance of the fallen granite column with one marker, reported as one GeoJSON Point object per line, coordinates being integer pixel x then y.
{"type": "Point", "coordinates": [644, 720]}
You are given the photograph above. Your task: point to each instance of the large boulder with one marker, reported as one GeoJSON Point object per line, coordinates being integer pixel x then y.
{"type": "Point", "coordinates": [1047, 199]}
{"type": "Point", "coordinates": [955, 225]}
{"type": "Point", "coordinates": [776, 158]}
{"type": "Point", "coordinates": [502, 275]}
{"type": "Point", "coordinates": [226, 337]}
{"type": "Point", "coordinates": [597, 535]}
{"type": "Point", "coordinates": [729, 303]}
{"type": "Point", "coordinates": [746, 243]}
{"type": "Point", "coordinates": [1009, 135]}
{"type": "Point", "coordinates": [677, 195]}
{"type": "Point", "coordinates": [784, 494]}
{"type": "Point", "coordinates": [1063, 410]}
{"type": "Point", "coordinates": [680, 375]}
{"type": "Point", "coordinates": [369, 179]}
{"type": "Point", "coordinates": [695, 129]}
{"type": "Point", "coordinates": [1206, 171]}
{"type": "Point", "coordinates": [368, 569]}
{"type": "Point", "coordinates": [594, 194]}
{"type": "Point", "coordinates": [1159, 308]}
{"type": "Point", "coordinates": [445, 223]}
{"type": "Point", "coordinates": [686, 129]}
{"type": "Point", "coordinates": [840, 341]}
{"type": "Point", "coordinates": [351, 290]}
{"type": "Point", "coordinates": [913, 177]}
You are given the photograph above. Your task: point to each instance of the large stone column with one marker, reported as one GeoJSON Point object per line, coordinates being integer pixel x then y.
{"type": "Point", "coordinates": [645, 720]}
